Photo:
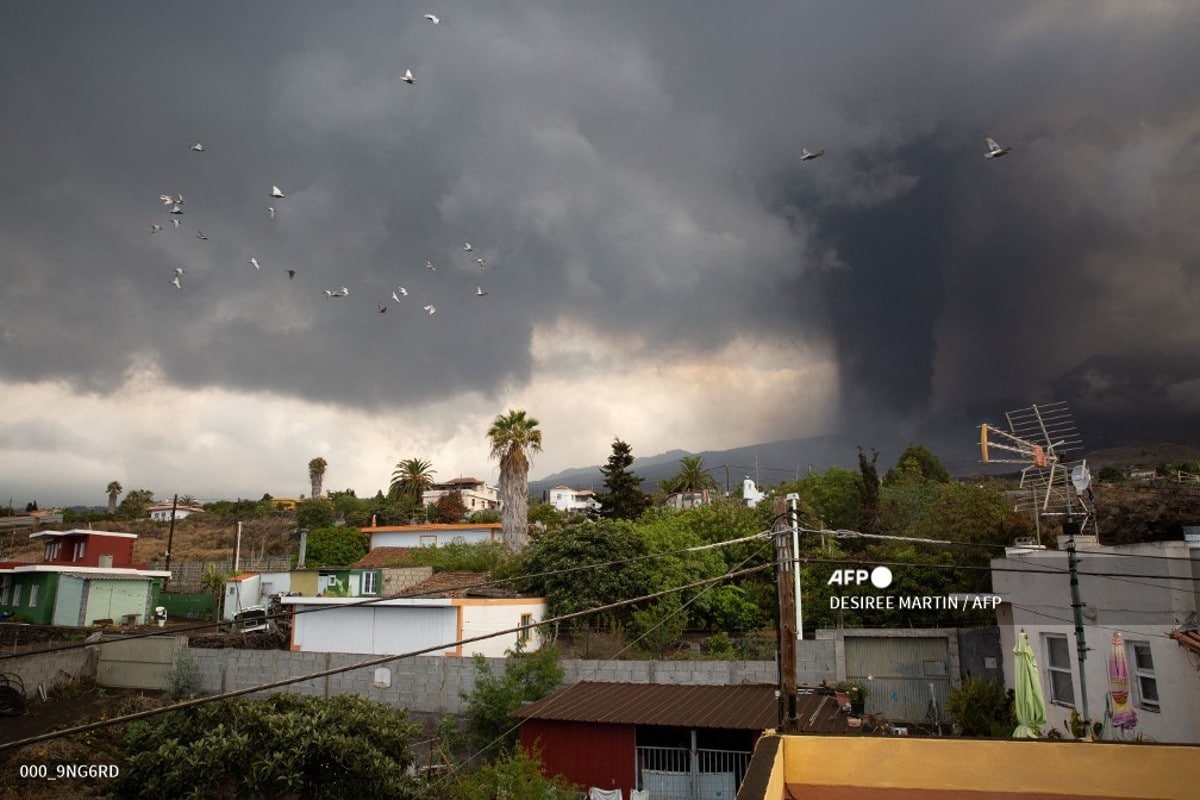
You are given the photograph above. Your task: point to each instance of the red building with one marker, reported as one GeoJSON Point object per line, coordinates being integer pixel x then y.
{"type": "Point", "coordinates": [672, 740]}
{"type": "Point", "coordinates": [80, 548]}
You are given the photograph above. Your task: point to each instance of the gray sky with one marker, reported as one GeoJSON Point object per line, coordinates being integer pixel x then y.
{"type": "Point", "coordinates": [660, 264]}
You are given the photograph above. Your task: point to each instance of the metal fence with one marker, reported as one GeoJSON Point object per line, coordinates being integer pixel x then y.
{"type": "Point", "coordinates": [678, 773]}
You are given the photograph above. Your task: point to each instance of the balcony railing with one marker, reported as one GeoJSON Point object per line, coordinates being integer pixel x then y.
{"type": "Point", "coordinates": [678, 773]}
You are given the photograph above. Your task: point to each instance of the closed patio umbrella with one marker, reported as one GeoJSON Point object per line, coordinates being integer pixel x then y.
{"type": "Point", "coordinates": [1029, 703]}
{"type": "Point", "coordinates": [1123, 715]}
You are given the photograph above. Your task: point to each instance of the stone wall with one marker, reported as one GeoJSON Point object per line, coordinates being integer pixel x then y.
{"type": "Point", "coordinates": [51, 669]}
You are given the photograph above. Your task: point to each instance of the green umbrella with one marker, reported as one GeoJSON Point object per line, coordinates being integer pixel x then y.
{"type": "Point", "coordinates": [1030, 705]}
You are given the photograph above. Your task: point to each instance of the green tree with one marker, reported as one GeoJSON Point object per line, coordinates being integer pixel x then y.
{"type": "Point", "coordinates": [833, 496]}
{"type": "Point", "coordinates": [136, 504]}
{"type": "Point", "coordinates": [692, 477]}
{"type": "Point", "coordinates": [624, 500]}
{"type": "Point", "coordinates": [527, 676]}
{"type": "Point", "coordinates": [514, 438]}
{"type": "Point", "coordinates": [313, 514]}
{"type": "Point", "coordinates": [916, 457]}
{"type": "Point", "coordinates": [576, 547]}
{"type": "Point", "coordinates": [288, 745]}
{"type": "Point", "coordinates": [546, 514]}
{"type": "Point", "coordinates": [336, 547]}
{"type": "Point", "coordinates": [411, 478]}
{"type": "Point", "coordinates": [114, 491]}
{"type": "Point", "coordinates": [869, 489]}
{"type": "Point", "coordinates": [213, 582]}
{"type": "Point", "coordinates": [316, 475]}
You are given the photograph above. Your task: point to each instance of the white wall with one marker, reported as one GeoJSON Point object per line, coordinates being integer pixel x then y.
{"type": "Point", "coordinates": [113, 599]}
{"type": "Point", "coordinates": [240, 594]}
{"type": "Point", "coordinates": [444, 537]}
{"type": "Point", "coordinates": [482, 616]}
{"type": "Point", "coordinates": [374, 629]}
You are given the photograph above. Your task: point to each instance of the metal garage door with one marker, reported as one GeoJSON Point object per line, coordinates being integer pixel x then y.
{"type": "Point", "coordinates": [902, 672]}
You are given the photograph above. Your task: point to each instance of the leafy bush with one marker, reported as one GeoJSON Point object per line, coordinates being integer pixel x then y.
{"type": "Point", "coordinates": [526, 677]}
{"type": "Point", "coordinates": [183, 680]}
{"type": "Point", "coordinates": [336, 547]}
{"type": "Point", "coordinates": [980, 707]}
{"type": "Point", "coordinates": [462, 557]}
{"type": "Point", "coordinates": [285, 746]}
{"type": "Point", "coordinates": [515, 775]}
{"type": "Point", "coordinates": [660, 626]}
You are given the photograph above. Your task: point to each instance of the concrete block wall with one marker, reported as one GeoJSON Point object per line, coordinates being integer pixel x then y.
{"type": "Point", "coordinates": [52, 669]}
{"type": "Point", "coordinates": [397, 579]}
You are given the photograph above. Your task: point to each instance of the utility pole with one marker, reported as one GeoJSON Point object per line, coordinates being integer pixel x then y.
{"type": "Point", "coordinates": [171, 538]}
{"type": "Point", "coordinates": [793, 498]}
{"type": "Point", "coordinates": [1081, 647]}
{"type": "Point", "coordinates": [786, 627]}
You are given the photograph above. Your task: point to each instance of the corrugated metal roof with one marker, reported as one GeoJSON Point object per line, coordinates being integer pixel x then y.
{"type": "Point", "coordinates": [739, 707]}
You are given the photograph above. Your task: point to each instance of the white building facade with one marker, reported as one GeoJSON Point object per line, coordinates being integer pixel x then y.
{"type": "Point", "coordinates": [1142, 591]}
{"type": "Point", "coordinates": [573, 501]}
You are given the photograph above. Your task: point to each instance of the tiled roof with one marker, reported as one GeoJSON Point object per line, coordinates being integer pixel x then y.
{"type": "Point", "coordinates": [446, 584]}
{"type": "Point", "coordinates": [740, 707]}
{"type": "Point", "coordinates": [384, 557]}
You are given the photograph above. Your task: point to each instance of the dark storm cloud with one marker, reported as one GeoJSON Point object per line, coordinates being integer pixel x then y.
{"type": "Point", "coordinates": [634, 168]}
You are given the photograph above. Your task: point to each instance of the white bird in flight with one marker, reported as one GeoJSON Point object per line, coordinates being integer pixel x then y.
{"type": "Point", "coordinates": [175, 282]}
{"type": "Point", "coordinates": [175, 222]}
{"type": "Point", "coordinates": [200, 235]}
{"type": "Point", "coordinates": [382, 308]}
{"type": "Point", "coordinates": [479, 292]}
{"type": "Point", "coordinates": [480, 262]}
{"type": "Point", "coordinates": [179, 271]}
{"type": "Point", "coordinates": [336, 292]}
{"type": "Point", "coordinates": [199, 148]}
{"type": "Point", "coordinates": [277, 192]}
{"type": "Point", "coordinates": [399, 292]}
{"type": "Point", "coordinates": [254, 263]}
{"type": "Point", "coordinates": [432, 18]}
{"type": "Point", "coordinates": [431, 309]}
{"type": "Point", "coordinates": [168, 200]}
{"type": "Point", "coordinates": [155, 228]}
{"type": "Point", "coordinates": [408, 77]}
{"type": "Point", "coordinates": [994, 150]}
{"type": "Point", "coordinates": [806, 155]}
{"type": "Point", "coordinates": [467, 247]}
{"type": "Point", "coordinates": [175, 209]}
{"type": "Point", "coordinates": [429, 266]}
{"type": "Point", "coordinates": [271, 212]}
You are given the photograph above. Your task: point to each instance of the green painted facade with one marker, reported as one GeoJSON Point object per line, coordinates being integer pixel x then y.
{"type": "Point", "coordinates": [29, 597]}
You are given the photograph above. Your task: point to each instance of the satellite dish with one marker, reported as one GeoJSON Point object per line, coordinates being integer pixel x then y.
{"type": "Point", "coordinates": [1081, 477]}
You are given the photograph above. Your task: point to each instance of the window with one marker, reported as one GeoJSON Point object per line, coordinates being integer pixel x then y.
{"type": "Point", "coordinates": [369, 583]}
{"type": "Point", "coordinates": [1058, 670]}
{"type": "Point", "coordinates": [5, 590]}
{"type": "Point", "coordinates": [526, 632]}
{"type": "Point", "coordinates": [33, 591]}
{"type": "Point", "coordinates": [1142, 680]}
{"type": "Point", "coordinates": [80, 547]}
{"type": "Point", "coordinates": [428, 540]}
{"type": "Point", "coordinates": [17, 595]}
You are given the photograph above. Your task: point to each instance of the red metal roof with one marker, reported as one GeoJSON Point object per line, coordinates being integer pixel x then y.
{"type": "Point", "coordinates": [739, 707]}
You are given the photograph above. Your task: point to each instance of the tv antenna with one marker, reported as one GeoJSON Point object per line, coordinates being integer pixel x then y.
{"type": "Point", "coordinates": [1043, 439]}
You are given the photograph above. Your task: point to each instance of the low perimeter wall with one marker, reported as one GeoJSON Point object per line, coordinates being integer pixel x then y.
{"type": "Point", "coordinates": [434, 684]}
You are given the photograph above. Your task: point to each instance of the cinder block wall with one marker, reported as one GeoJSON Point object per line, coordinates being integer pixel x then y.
{"type": "Point", "coordinates": [51, 669]}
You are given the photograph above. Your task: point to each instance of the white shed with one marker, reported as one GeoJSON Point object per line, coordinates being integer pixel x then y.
{"type": "Point", "coordinates": [433, 535]}
{"type": "Point", "coordinates": [408, 624]}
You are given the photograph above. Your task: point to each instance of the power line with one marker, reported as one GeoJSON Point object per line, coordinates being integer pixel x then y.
{"type": "Point", "coordinates": [373, 662]}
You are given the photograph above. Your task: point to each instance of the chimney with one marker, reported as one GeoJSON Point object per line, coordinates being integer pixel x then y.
{"type": "Point", "coordinates": [105, 561]}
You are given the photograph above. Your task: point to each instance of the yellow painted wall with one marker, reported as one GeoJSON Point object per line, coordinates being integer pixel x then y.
{"type": "Point", "coordinates": [1088, 769]}
{"type": "Point", "coordinates": [304, 583]}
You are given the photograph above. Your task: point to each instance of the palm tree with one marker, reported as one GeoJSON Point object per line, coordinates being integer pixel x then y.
{"type": "Point", "coordinates": [514, 437]}
{"type": "Point", "coordinates": [411, 478]}
{"type": "Point", "coordinates": [692, 477]}
{"type": "Point", "coordinates": [316, 475]}
{"type": "Point", "coordinates": [114, 491]}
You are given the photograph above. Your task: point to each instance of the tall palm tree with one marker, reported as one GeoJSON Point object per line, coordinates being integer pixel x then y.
{"type": "Point", "coordinates": [114, 491]}
{"type": "Point", "coordinates": [692, 477]}
{"type": "Point", "coordinates": [514, 436]}
{"type": "Point", "coordinates": [411, 478]}
{"type": "Point", "coordinates": [316, 475]}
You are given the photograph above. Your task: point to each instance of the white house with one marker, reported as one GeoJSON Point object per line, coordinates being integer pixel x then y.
{"type": "Point", "coordinates": [1143, 591]}
{"type": "Point", "coordinates": [161, 512]}
{"type": "Point", "coordinates": [433, 534]}
{"type": "Point", "coordinates": [573, 501]}
{"type": "Point", "coordinates": [410, 624]}
{"type": "Point", "coordinates": [751, 493]}
{"type": "Point", "coordinates": [476, 494]}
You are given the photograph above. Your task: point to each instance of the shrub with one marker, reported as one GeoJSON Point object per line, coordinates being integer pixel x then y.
{"type": "Point", "coordinates": [980, 707]}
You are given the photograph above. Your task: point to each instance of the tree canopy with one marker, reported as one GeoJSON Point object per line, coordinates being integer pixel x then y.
{"type": "Point", "coordinates": [624, 499]}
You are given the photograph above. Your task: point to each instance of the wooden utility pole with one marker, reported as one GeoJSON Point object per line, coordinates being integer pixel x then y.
{"type": "Point", "coordinates": [171, 539]}
{"type": "Point", "coordinates": [786, 624]}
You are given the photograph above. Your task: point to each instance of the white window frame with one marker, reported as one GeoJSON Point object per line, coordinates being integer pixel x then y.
{"type": "Point", "coordinates": [1060, 669]}
{"type": "Point", "coordinates": [16, 595]}
{"type": "Point", "coordinates": [1137, 674]}
{"type": "Point", "coordinates": [33, 593]}
{"type": "Point", "coordinates": [525, 635]}
{"type": "Point", "coordinates": [80, 551]}
{"type": "Point", "coordinates": [427, 540]}
{"type": "Point", "coordinates": [369, 581]}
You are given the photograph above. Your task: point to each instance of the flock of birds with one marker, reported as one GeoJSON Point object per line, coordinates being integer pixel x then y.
{"type": "Point", "coordinates": [175, 203]}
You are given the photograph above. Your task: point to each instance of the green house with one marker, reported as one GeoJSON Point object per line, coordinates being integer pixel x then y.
{"type": "Point", "coordinates": [78, 596]}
